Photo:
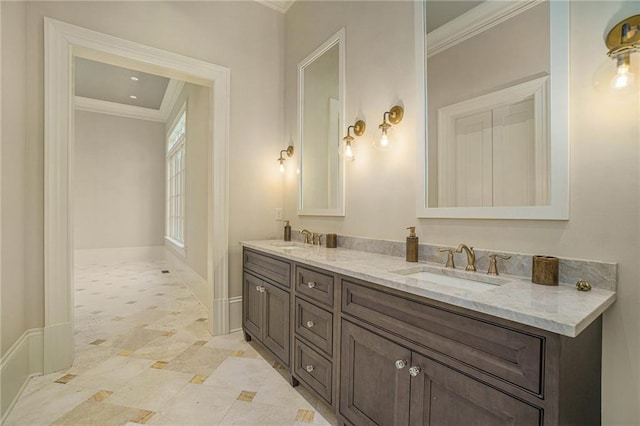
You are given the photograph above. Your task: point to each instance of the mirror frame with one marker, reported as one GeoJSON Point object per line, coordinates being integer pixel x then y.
{"type": "Point", "coordinates": [339, 40]}
{"type": "Point", "coordinates": [558, 128]}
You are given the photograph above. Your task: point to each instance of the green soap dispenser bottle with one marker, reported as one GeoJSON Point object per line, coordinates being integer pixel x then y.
{"type": "Point", "coordinates": [412, 245]}
{"type": "Point", "coordinates": [287, 231]}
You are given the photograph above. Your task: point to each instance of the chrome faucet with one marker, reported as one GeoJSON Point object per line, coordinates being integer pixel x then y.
{"type": "Point", "coordinates": [307, 236]}
{"type": "Point", "coordinates": [471, 257]}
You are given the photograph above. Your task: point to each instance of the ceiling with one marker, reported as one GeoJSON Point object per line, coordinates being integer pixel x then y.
{"type": "Point", "coordinates": [97, 80]}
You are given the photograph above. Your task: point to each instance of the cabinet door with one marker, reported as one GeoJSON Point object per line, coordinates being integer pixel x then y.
{"type": "Point", "coordinates": [443, 396]}
{"type": "Point", "coordinates": [252, 315]}
{"type": "Point", "coordinates": [276, 322]}
{"type": "Point", "coordinates": [373, 391]}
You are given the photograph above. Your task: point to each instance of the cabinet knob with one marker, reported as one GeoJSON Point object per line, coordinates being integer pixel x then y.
{"type": "Point", "coordinates": [311, 284]}
{"type": "Point", "coordinates": [309, 368]}
{"type": "Point", "coordinates": [400, 364]}
{"type": "Point", "coordinates": [260, 288]}
{"type": "Point", "coordinates": [414, 371]}
{"type": "Point", "coordinates": [310, 324]}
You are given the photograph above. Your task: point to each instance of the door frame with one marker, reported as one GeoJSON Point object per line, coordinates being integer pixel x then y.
{"type": "Point", "coordinates": [63, 41]}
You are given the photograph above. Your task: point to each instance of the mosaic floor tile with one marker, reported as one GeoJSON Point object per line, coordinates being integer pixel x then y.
{"type": "Point", "coordinates": [146, 357]}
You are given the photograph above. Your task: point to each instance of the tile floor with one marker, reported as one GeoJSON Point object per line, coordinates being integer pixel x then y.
{"type": "Point", "coordinates": [144, 356]}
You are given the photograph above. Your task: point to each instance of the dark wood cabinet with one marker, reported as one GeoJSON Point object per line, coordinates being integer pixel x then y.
{"type": "Point", "coordinates": [276, 322]}
{"type": "Point", "coordinates": [384, 383]}
{"type": "Point", "coordinates": [381, 356]}
{"type": "Point", "coordinates": [266, 305]}
{"type": "Point", "coordinates": [374, 378]}
{"type": "Point", "coordinates": [252, 305]}
{"type": "Point", "coordinates": [441, 396]}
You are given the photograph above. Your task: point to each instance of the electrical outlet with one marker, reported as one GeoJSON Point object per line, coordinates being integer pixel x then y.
{"type": "Point", "coordinates": [278, 213]}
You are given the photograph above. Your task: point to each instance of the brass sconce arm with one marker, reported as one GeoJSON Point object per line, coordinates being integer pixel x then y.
{"type": "Point", "coordinates": [289, 152]}
{"type": "Point", "coordinates": [358, 130]}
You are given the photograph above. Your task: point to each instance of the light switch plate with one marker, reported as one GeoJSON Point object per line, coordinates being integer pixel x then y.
{"type": "Point", "coordinates": [278, 213]}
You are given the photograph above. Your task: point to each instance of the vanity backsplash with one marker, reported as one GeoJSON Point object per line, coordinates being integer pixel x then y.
{"type": "Point", "coordinates": [603, 275]}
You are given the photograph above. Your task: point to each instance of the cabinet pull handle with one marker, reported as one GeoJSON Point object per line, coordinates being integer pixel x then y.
{"type": "Point", "coordinates": [260, 288]}
{"type": "Point", "coordinates": [309, 368]}
{"type": "Point", "coordinates": [400, 364]}
{"type": "Point", "coordinates": [414, 371]}
{"type": "Point", "coordinates": [310, 324]}
{"type": "Point", "coordinates": [311, 284]}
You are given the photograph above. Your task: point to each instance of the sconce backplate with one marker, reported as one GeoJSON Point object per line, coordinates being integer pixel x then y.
{"type": "Point", "coordinates": [289, 151]}
{"type": "Point", "coordinates": [359, 127]}
{"type": "Point", "coordinates": [614, 39]}
{"type": "Point", "coordinates": [395, 114]}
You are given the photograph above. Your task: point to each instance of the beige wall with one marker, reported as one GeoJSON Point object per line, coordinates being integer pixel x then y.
{"type": "Point", "coordinates": [197, 163]}
{"type": "Point", "coordinates": [381, 187]}
{"type": "Point", "coordinates": [119, 182]}
{"type": "Point", "coordinates": [244, 36]}
{"type": "Point", "coordinates": [14, 179]}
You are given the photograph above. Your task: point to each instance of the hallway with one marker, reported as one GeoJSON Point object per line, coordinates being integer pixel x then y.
{"type": "Point", "coordinates": [144, 356]}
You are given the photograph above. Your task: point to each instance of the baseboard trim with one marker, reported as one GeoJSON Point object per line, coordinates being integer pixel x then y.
{"type": "Point", "coordinates": [118, 255]}
{"type": "Point", "coordinates": [235, 314]}
{"type": "Point", "coordinates": [21, 362]}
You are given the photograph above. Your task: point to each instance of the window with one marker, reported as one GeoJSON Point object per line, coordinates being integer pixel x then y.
{"type": "Point", "coordinates": [176, 138]}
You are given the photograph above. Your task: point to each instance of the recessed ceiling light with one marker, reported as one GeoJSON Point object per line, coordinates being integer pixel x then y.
{"type": "Point", "coordinates": [134, 78]}
{"type": "Point", "coordinates": [133, 97]}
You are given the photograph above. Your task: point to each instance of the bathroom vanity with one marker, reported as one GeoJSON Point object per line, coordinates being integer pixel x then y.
{"type": "Point", "coordinates": [382, 345]}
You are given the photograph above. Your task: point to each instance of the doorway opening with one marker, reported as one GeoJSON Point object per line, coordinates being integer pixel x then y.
{"type": "Point", "coordinates": [63, 42]}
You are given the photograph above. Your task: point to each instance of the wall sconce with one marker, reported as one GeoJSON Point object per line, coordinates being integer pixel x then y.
{"type": "Point", "coordinates": [622, 41]}
{"type": "Point", "coordinates": [358, 130]}
{"type": "Point", "coordinates": [383, 141]}
{"type": "Point", "coordinates": [289, 152]}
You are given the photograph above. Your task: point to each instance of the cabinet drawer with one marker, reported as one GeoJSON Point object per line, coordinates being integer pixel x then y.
{"type": "Point", "coordinates": [315, 285]}
{"type": "Point", "coordinates": [275, 269]}
{"type": "Point", "coordinates": [511, 355]}
{"type": "Point", "coordinates": [315, 325]}
{"type": "Point", "coordinates": [313, 369]}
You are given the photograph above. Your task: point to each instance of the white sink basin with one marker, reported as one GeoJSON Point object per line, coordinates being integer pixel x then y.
{"type": "Point", "coordinates": [428, 276]}
{"type": "Point", "coordinates": [289, 245]}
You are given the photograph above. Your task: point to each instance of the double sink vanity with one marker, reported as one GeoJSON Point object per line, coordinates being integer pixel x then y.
{"type": "Point", "coordinates": [388, 342]}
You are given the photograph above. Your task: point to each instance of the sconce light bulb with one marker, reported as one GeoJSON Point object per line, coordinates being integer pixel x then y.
{"type": "Point", "coordinates": [622, 80]}
{"type": "Point", "coordinates": [384, 140]}
{"type": "Point", "coordinates": [623, 77]}
{"type": "Point", "coordinates": [348, 151]}
{"type": "Point", "coordinates": [281, 160]}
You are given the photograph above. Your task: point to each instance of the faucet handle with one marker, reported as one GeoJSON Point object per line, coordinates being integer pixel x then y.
{"type": "Point", "coordinates": [306, 234]}
{"type": "Point", "coordinates": [450, 263]}
{"type": "Point", "coordinates": [317, 239]}
{"type": "Point", "coordinates": [493, 263]}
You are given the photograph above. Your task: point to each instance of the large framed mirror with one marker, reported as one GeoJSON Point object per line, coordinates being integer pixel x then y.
{"type": "Point", "coordinates": [494, 76]}
{"type": "Point", "coordinates": [320, 122]}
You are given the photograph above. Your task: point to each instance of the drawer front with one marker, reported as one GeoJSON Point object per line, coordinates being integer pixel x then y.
{"type": "Point", "coordinates": [315, 325]}
{"type": "Point", "coordinates": [275, 269]}
{"type": "Point", "coordinates": [313, 369]}
{"type": "Point", "coordinates": [315, 285]}
{"type": "Point", "coordinates": [508, 354]}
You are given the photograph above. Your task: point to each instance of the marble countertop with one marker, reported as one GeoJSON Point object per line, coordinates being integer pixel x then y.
{"type": "Point", "coordinates": [559, 309]}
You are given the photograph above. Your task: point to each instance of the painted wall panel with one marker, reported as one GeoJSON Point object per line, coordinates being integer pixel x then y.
{"type": "Point", "coordinates": [119, 182]}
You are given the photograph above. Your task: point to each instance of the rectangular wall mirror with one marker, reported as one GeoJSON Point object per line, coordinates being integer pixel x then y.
{"type": "Point", "coordinates": [320, 122]}
{"type": "Point", "coordinates": [495, 81]}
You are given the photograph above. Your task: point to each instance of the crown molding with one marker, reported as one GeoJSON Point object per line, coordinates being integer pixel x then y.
{"type": "Point", "coordinates": [131, 111]}
{"type": "Point", "coordinates": [278, 5]}
{"type": "Point", "coordinates": [477, 20]}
